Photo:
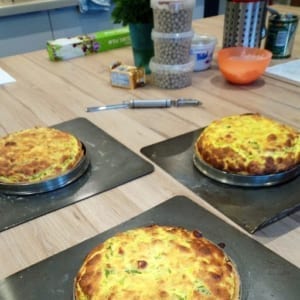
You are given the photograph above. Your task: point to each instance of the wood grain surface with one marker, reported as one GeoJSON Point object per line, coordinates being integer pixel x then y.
{"type": "Point", "coordinates": [47, 93]}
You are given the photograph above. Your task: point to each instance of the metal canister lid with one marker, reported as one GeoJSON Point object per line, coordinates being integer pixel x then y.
{"type": "Point", "coordinates": [171, 4]}
{"type": "Point", "coordinates": [284, 18]}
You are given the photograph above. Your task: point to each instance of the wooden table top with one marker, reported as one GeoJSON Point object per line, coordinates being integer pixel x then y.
{"type": "Point", "coordinates": [47, 93]}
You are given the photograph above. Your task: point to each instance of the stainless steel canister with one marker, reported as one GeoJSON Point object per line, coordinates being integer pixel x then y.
{"type": "Point", "coordinates": [244, 23]}
{"type": "Point", "coordinates": [281, 34]}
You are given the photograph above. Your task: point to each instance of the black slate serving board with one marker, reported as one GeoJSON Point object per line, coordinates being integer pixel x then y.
{"type": "Point", "coordinates": [111, 164]}
{"type": "Point", "coordinates": [264, 275]}
{"type": "Point", "coordinates": [251, 208]}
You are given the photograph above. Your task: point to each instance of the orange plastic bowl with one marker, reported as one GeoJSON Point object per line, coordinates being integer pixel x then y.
{"type": "Point", "coordinates": [242, 65]}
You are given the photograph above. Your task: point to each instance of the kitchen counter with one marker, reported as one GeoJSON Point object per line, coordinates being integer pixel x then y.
{"type": "Point", "coordinates": [47, 93]}
{"type": "Point", "coordinates": [15, 7]}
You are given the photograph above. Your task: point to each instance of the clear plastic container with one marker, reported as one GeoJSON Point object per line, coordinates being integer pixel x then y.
{"type": "Point", "coordinates": [171, 76]}
{"type": "Point", "coordinates": [173, 15]}
{"type": "Point", "coordinates": [172, 48]}
{"type": "Point", "coordinates": [202, 50]}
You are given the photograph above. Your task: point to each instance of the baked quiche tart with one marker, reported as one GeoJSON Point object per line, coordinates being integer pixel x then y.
{"type": "Point", "coordinates": [157, 262]}
{"type": "Point", "coordinates": [36, 154]}
{"type": "Point", "coordinates": [249, 144]}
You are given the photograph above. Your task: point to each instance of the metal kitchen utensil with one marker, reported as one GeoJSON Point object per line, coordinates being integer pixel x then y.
{"type": "Point", "coordinates": [244, 23]}
{"type": "Point", "coordinates": [157, 103]}
{"type": "Point", "coordinates": [245, 180]}
{"type": "Point", "coordinates": [252, 208]}
{"type": "Point", "coordinates": [111, 165]}
{"type": "Point", "coordinates": [49, 184]}
{"type": "Point", "coordinates": [251, 258]}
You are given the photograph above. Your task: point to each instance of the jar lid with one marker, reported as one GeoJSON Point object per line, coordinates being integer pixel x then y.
{"type": "Point", "coordinates": [176, 35]}
{"type": "Point", "coordinates": [170, 4]}
{"type": "Point", "coordinates": [284, 17]}
{"type": "Point", "coordinates": [155, 67]}
{"type": "Point", "coordinates": [203, 39]}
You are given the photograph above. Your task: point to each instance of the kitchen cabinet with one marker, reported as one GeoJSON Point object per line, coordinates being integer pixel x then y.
{"type": "Point", "coordinates": [70, 22]}
{"type": "Point", "coordinates": [24, 33]}
{"type": "Point", "coordinates": [27, 31]}
{"type": "Point", "coordinates": [30, 31]}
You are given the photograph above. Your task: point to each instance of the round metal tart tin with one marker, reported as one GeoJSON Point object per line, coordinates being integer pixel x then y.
{"type": "Point", "coordinates": [240, 292]}
{"type": "Point", "coordinates": [74, 289]}
{"type": "Point", "coordinates": [245, 180]}
{"type": "Point", "coordinates": [239, 268]}
{"type": "Point", "coordinates": [49, 184]}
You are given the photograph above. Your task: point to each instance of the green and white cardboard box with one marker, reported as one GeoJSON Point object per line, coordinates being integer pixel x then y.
{"type": "Point", "coordinates": [67, 48]}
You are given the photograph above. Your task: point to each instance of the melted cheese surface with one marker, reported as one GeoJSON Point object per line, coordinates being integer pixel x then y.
{"type": "Point", "coordinates": [157, 262]}
{"type": "Point", "coordinates": [249, 144]}
{"type": "Point", "coordinates": [35, 154]}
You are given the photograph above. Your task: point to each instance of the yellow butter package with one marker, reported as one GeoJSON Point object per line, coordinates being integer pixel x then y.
{"type": "Point", "coordinates": [127, 76]}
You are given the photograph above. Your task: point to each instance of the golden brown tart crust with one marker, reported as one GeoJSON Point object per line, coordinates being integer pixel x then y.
{"type": "Point", "coordinates": [36, 154]}
{"type": "Point", "coordinates": [157, 262]}
{"type": "Point", "coordinates": [249, 144]}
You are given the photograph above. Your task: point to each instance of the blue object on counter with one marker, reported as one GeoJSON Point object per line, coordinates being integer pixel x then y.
{"type": "Point", "coordinates": [86, 6]}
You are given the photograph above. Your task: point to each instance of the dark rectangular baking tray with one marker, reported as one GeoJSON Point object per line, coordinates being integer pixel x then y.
{"type": "Point", "coordinates": [264, 275]}
{"type": "Point", "coordinates": [111, 164]}
{"type": "Point", "coordinates": [251, 208]}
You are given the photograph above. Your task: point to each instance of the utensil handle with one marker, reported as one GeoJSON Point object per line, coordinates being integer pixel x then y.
{"type": "Point", "coordinates": [187, 102]}
{"type": "Point", "coordinates": [150, 103]}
